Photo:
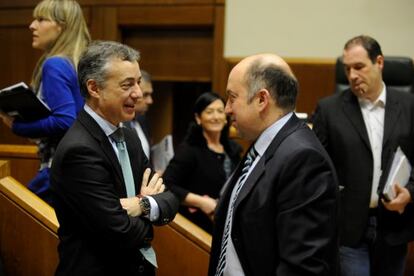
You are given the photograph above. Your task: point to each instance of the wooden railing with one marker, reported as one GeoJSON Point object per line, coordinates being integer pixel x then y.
{"type": "Point", "coordinates": [182, 248]}
{"type": "Point", "coordinates": [28, 228]}
{"type": "Point", "coordinates": [28, 236]}
{"type": "Point", "coordinates": [23, 159]}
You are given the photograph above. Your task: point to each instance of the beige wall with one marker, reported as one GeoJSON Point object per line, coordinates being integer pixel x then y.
{"type": "Point", "coordinates": [316, 28]}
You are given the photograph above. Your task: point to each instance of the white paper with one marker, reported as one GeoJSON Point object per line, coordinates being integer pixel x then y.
{"type": "Point", "coordinates": [399, 173]}
{"type": "Point", "coordinates": [162, 153]}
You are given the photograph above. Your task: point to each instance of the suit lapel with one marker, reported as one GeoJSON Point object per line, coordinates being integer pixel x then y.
{"type": "Point", "coordinates": [392, 114]}
{"type": "Point", "coordinates": [95, 131]}
{"type": "Point", "coordinates": [292, 125]}
{"type": "Point", "coordinates": [353, 113]}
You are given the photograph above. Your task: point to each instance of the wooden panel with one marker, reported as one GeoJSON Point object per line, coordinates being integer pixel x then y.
{"type": "Point", "coordinates": [179, 54]}
{"type": "Point", "coordinates": [219, 63]}
{"type": "Point", "coordinates": [182, 246]}
{"type": "Point", "coordinates": [4, 168]}
{"type": "Point", "coordinates": [18, 58]}
{"type": "Point", "coordinates": [23, 159]}
{"type": "Point", "coordinates": [32, 3]}
{"type": "Point", "coordinates": [166, 15]}
{"type": "Point", "coordinates": [316, 80]}
{"type": "Point", "coordinates": [16, 17]}
{"type": "Point", "coordinates": [145, 2]}
{"type": "Point", "coordinates": [103, 23]}
{"type": "Point", "coordinates": [28, 245]}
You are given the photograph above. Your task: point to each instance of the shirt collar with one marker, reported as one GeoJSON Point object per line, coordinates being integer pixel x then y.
{"type": "Point", "coordinates": [264, 140]}
{"type": "Point", "coordinates": [106, 126]}
{"type": "Point", "coordinates": [364, 103]}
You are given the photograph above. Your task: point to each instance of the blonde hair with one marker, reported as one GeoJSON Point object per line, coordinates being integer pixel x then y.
{"type": "Point", "coordinates": [73, 39]}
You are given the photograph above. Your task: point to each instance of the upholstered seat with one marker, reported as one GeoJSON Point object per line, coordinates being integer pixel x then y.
{"type": "Point", "coordinates": [398, 73]}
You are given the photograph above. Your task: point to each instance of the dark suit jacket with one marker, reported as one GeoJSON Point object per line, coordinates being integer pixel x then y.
{"type": "Point", "coordinates": [339, 124]}
{"type": "Point", "coordinates": [97, 237]}
{"type": "Point", "coordinates": [284, 220]}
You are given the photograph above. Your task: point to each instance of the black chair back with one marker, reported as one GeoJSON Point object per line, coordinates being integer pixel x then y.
{"type": "Point", "coordinates": [398, 73]}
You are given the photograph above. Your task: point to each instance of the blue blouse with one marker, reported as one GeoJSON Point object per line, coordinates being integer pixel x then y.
{"type": "Point", "coordinates": [59, 89]}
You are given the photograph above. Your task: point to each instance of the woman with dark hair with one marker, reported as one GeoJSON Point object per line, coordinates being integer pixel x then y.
{"type": "Point", "coordinates": [203, 162]}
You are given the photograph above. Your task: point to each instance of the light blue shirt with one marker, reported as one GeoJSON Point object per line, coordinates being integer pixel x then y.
{"type": "Point", "coordinates": [108, 129]}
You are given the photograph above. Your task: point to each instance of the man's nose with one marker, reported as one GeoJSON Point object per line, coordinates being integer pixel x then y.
{"type": "Point", "coordinates": [353, 74]}
{"type": "Point", "coordinates": [137, 92]}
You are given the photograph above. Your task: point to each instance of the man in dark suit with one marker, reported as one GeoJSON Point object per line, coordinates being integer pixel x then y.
{"type": "Point", "coordinates": [277, 212]}
{"type": "Point", "coordinates": [104, 228]}
{"type": "Point", "coordinates": [361, 127]}
{"type": "Point", "coordinates": [140, 123]}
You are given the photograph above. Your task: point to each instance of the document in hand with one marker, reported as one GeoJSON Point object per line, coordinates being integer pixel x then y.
{"type": "Point", "coordinates": [19, 101]}
{"type": "Point", "coordinates": [162, 153]}
{"type": "Point", "coordinates": [399, 172]}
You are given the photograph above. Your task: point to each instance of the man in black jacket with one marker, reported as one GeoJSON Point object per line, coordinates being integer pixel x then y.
{"type": "Point", "coordinates": [105, 206]}
{"type": "Point", "coordinates": [277, 214]}
{"type": "Point", "coordinates": [361, 127]}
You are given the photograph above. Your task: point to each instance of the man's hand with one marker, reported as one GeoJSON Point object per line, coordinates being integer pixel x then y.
{"type": "Point", "coordinates": [402, 198]}
{"type": "Point", "coordinates": [153, 186]}
{"type": "Point", "coordinates": [7, 120]}
{"type": "Point", "coordinates": [131, 205]}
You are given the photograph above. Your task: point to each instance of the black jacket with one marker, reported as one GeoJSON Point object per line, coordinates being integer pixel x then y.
{"type": "Point", "coordinates": [97, 237]}
{"type": "Point", "coordinates": [197, 169]}
{"type": "Point", "coordinates": [340, 127]}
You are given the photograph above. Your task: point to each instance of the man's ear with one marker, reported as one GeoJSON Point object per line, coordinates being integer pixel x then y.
{"type": "Point", "coordinates": [262, 99]}
{"type": "Point", "coordinates": [380, 61]}
{"type": "Point", "coordinates": [93, 89]}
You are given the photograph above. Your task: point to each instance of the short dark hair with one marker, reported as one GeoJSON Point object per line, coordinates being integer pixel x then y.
{"type": "Point", "coordinates": [368, 43]}
{"type": "Point", "coordinates": [93, 62]}
{"type": "Point", "coordinates": [205, 100]}
{"type": "Point", "coordinates": [283, 87]}
{"type": "Point", "coordinates": [194, 131]}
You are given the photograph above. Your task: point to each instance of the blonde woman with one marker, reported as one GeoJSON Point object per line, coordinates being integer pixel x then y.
{"type": "Point", "coordinates": [59, 29]}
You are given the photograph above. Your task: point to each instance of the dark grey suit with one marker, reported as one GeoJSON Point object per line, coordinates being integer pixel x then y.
{"type": "Point", "coordinates": [284, 220]}
{"type": "Point", "coordinates": [97, 237]}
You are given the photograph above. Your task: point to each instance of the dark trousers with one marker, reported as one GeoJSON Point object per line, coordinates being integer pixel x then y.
{"type": "Point", "coordinates": [373, 256]}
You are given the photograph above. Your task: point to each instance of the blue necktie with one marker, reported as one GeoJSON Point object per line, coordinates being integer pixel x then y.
{"type": "Point", "coordinates": [251, 156]}
{"type": "Point", "coordinates": [118, 137]}
{"type": "Point", "coordinates": [123, 157]}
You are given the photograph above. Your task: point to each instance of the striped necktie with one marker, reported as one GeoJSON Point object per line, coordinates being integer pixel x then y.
{"type": "Point", "coordinates": [251, 156]}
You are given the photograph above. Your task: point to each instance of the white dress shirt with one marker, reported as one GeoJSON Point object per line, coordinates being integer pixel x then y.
{"type": "Point", "coordinates": [373, 114]}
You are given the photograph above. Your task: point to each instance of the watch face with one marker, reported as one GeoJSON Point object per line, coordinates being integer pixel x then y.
{"type": "Point", "coordinates": [145, 205]}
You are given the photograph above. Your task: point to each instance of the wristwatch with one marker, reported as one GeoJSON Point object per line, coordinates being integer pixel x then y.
{"type": "Point", "coordinates": [145, 205]}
